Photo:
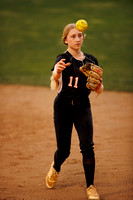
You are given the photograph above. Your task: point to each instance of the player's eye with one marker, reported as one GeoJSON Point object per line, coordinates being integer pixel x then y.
{"type": "Point", "coordinates": [73, 36]}
{"type": "Point", "coordinates": [80, 35]}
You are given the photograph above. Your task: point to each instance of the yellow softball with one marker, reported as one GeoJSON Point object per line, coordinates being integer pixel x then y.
{"type": "Point", "coordinates": [81, 25]}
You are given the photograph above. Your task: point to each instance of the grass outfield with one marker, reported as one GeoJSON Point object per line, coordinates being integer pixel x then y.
{"type": "Point", "coordinates": [30, 38]}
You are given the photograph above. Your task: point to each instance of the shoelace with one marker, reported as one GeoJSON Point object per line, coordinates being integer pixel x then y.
{"type": "Point", "coordinates": [53, 174]}
{"type": "Point", "coordinates": [92, 189]}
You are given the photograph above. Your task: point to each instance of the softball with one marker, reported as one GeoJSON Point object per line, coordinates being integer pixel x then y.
{"type": "Point", "coordinates": [81, 25]}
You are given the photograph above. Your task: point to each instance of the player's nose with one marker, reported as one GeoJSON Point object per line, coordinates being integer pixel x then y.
{"type": "Point", "coordinates": [77, 39]}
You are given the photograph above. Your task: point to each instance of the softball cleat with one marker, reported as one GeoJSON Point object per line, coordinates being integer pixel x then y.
{"type": "Point", "coordinates": [92, 193]}
{"type": "Point", "coordinates": [51, 177]}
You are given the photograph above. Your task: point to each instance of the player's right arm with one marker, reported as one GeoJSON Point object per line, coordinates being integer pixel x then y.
{"type": "Point", "coordinates": [58, 68]}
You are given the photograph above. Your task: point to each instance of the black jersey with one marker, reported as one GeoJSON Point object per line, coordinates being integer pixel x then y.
{"type": "Point", "coordinates": [73, 81]}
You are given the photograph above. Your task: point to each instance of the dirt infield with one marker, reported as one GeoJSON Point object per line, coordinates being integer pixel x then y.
{"type": "Point", "coordinates": [27, 145]}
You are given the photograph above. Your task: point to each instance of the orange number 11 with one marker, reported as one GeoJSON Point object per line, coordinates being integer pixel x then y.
{"type": "Point", "coordinates": [71, 80]}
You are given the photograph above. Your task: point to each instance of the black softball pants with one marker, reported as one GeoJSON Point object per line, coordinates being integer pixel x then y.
{"type": "Point", "coordinates": [65, 115]}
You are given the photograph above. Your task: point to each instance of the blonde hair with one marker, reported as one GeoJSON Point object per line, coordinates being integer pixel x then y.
{"type": "Point", "coordinates": [66, 30]}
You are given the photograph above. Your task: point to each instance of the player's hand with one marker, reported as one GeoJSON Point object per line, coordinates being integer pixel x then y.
{"type": "Point", "coordinates": [60, 66]}
{"type": "Point", "coordinates": [100, 89]}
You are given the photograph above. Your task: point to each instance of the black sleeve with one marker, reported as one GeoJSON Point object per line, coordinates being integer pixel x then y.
{"type": "Point", "coordinates": [94, 59]}
{"type": "Point", "coordinates": [91, 58]}
{"type": "Point", "coordinates": [58, 58]}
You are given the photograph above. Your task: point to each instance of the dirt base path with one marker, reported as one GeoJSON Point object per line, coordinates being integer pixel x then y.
{"type": "Point", "coordinates": [27, 145]}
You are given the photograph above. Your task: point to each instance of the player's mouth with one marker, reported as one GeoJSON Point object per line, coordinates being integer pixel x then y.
{"type": "Point", "coordinates": [77, 44]}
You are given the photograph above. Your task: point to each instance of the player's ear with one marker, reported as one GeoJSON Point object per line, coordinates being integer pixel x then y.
{"type": "Point", "coordinates": [84, 35]}
{"type": "Point", "coordinates": [66, 43]}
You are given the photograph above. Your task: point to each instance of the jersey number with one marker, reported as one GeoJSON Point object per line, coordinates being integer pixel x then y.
{"type": "Point", "coordinates": [71, 81]}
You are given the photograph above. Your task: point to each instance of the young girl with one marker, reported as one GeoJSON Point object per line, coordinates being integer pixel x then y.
{"type": "Point", "coordinates": [72, 106]}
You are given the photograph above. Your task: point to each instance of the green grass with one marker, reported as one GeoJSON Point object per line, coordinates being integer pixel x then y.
{"type": "Point", "coordinates": [30, 38]}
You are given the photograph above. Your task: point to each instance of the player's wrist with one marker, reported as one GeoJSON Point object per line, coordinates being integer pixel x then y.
{"type": "Point", "coordinates": [56, 74]}
{"type": "Point", "coordinates": [56, 71]}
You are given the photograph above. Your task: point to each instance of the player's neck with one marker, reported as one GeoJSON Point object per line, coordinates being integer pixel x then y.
{"type": "Point", "coordinates": [78, 54]}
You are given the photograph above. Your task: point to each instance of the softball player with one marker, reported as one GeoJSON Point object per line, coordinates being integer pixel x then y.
{"type": "Point", "coordinates": [72, 106]}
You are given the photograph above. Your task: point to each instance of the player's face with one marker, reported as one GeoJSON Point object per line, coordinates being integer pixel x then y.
{"type": "Point", "coordinates": [74, 39]}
